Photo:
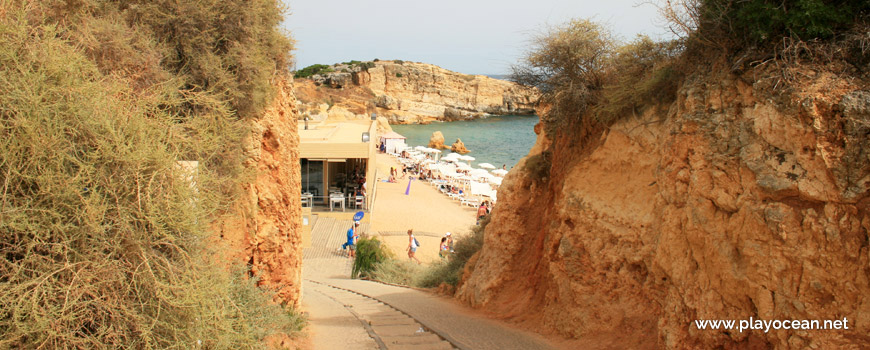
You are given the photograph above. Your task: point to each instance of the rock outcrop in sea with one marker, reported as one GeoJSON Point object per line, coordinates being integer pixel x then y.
{"type": "Point", "coordinates": [459, 147]}
{"type": "Point", "coordinates": [437, 141]}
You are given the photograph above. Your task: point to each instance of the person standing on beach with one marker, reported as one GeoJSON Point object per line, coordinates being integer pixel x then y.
{"type": "Point", "coordinates": [412, 246]}
{"type": "Point", "coordinates": [449, 238]}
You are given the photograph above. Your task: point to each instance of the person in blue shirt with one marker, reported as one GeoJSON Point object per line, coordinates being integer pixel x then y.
{"type": "Point", "coordinates": [352, 235]}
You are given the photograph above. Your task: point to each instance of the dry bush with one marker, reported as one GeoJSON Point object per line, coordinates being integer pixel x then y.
{"type": "Point", "coordinates": [103, 235]}
{"type": "Point", "coordinates": [567, 64]}
{"type": "Point", "coordinates": [583, 71]}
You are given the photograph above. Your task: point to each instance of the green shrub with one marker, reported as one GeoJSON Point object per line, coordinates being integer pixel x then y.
{"type": "Point", "coordinates": [369, 253]}
{"type": "Point", "coordinates": [398, 62]}
{"type": "Point", "coordinates": [763, 21]}
{"type": "Point", "coordinates": [398, 271]}
{"type": "Point", "coordinates": [399, 75]}
{"type": "Point", "coordinates": [313, 69]}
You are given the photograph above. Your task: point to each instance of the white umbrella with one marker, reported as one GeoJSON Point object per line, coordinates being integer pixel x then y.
{"type": "Point", "coordinates": [468, 158]}
{"type": "Point", "coordinates": [486, 166]}
{"type": "Point", "coordinates": [500, 172]}
{"type": "Point", "coordinates": [420, 148]}
{"type": "Point", "coordinates": [463, 166]}
{"type": "Point", "coordinates": [496, 180]}
{"type": "Point", "coordinates": [479, 172]}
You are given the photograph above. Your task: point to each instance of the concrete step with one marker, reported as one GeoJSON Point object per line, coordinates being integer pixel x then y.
{"type": "Point", "coordinates": [423, 338]}
{"type": "Point", "coordinates": [396, 330]}
{"type": "Point", "coordinates": [436, 346]}
{"type": "Point", "coordinates": [391, 321]}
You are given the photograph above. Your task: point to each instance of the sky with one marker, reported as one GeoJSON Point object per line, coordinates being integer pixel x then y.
{"type": "Point", "coordinates": [467, 36]}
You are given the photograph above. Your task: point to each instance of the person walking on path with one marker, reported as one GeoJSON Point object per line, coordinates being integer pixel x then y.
{"type": "Point", "coordinates": [443, 250]}
{"type": "Point", "coordinates": [412, 246]}
{"type": "Point", "coordinates": [352, 235]}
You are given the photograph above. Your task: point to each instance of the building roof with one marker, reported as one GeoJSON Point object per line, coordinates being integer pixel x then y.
{"type": "Point", "coordinates": [392, 135]}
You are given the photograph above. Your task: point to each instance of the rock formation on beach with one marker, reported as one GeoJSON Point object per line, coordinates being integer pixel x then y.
{"type": "Point", "coordinates": [735, 201]}
{"type": "Point", "coordinates": [459, 147]}
{"type": "Point", "coordinates": [437, 141]}
{"type": "Point", "coordinates": [408, 92]}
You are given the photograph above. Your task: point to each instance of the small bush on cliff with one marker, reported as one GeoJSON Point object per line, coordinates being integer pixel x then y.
{"type": "Point", "coordinates": [584, 72]}
{"type": "Point", "coordinates": [643, 73]}
{"type": "Point", "coordinates": [313, 69]}
{"type": "Point", "coordinates": [538, 166]}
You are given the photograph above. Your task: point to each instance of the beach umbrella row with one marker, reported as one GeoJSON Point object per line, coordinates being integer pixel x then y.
{"type": "Point", "coordinates": [486, 166]}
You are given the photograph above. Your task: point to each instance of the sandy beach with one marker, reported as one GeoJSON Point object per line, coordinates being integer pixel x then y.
{"type": "Point", "coordinates": [426, 210]}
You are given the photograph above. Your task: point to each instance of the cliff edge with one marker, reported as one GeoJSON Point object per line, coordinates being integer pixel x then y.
{"type": "Point", "coordinates": [264, 229]}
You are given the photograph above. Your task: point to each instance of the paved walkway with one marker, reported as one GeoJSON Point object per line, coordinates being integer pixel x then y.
{"type": "Point", "coordinates": [355, 314]}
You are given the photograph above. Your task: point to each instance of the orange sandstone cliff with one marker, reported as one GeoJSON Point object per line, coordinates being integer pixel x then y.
{"type": "Point", "coordinates": [410, 92]}
{"type": "Point", "coordinates": [736, 201]}
{"type": "Point", "coordinates": [265, 228]}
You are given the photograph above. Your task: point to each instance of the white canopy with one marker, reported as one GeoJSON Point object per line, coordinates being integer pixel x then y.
{"type": "Point", "coordinates": [486, 166]}
{"type": "Point", "coordinates": [468, 158]}
{"type": "Point", "coordinates": [463, 166]}
{"type": "Point", "coordinates": [500, 172]}
{"type": "Point", "coordinates": [496, 180]}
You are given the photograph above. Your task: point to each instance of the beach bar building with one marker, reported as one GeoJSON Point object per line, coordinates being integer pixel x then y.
{"type": "Point", "coordinates": [393, 142]}
{"type": "Point", "coordinates": [336, 160]}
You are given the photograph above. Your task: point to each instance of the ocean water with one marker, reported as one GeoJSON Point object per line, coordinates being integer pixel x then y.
{"type": "Point", "coordinates": [497, 140]}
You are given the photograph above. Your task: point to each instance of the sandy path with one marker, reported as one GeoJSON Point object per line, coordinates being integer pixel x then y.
{"type": "Point", "coordinates": [427, 211]}
{"type": "Point", "coordinates": [335, 321]}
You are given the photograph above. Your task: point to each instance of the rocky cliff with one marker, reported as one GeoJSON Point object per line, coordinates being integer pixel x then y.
{"type": "Point", "coordinates": [408, 92]}
{"type": "Point", "coordinates": [265, 228]}
{"type": "Point", "coordinates": [736, 201]}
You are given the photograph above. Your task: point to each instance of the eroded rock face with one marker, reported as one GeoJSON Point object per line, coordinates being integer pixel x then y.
{"type": "Point", "coordinates": [432, 93]}
{"type": "Point", "coordinates": [726, 207]}
{"type": "Point", "coordinates": [437, 141]}
{"type": "Point", "coordinates": [265, 228]}
{"type": "Point", "coordinates": [459, 147]}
